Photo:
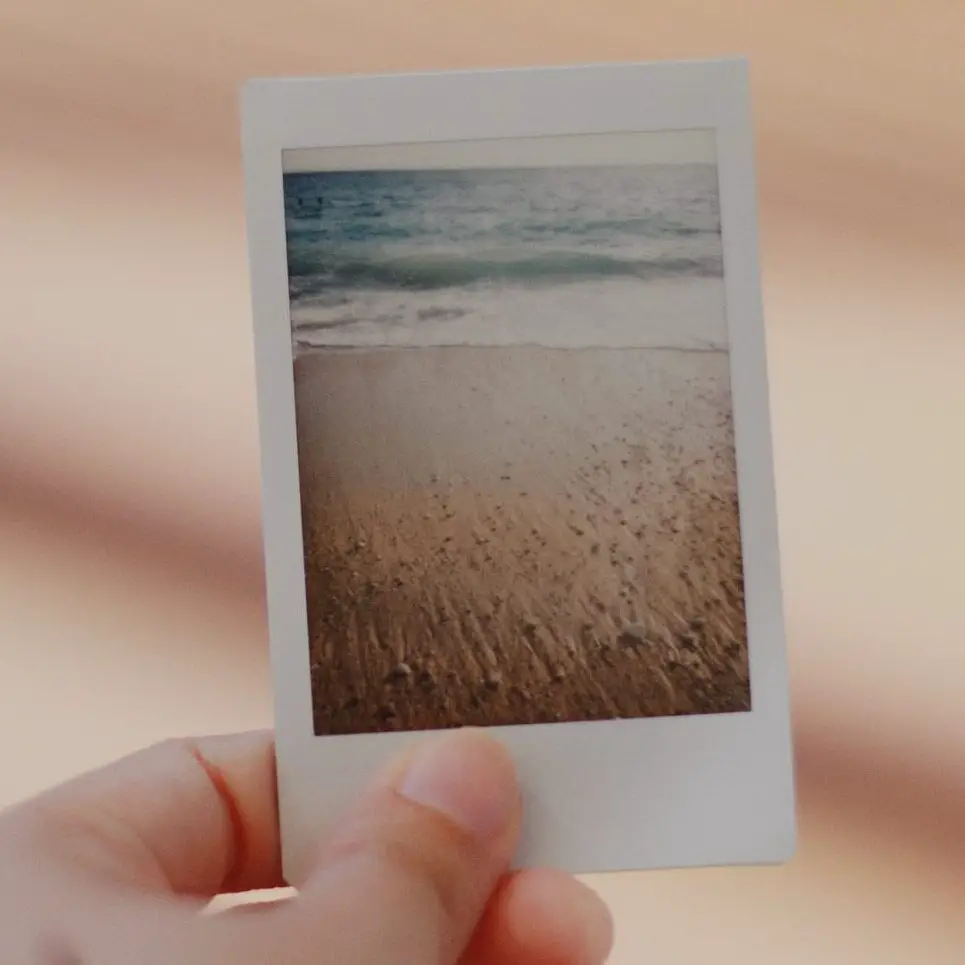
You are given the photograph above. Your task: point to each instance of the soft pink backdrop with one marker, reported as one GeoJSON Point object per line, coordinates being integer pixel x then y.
{"type": "Point", "coordinates": [130, 570]}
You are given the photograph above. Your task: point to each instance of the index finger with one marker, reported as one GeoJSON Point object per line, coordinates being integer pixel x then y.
{"type": "Point", "coordinates": [193, 816]}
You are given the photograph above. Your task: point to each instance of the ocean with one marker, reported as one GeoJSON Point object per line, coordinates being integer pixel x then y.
{"type": "Point", "coordinates": [626, 257]}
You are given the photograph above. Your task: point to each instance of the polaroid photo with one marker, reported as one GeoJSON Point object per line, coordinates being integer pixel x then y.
{"type": "Point", "coordinates": [516, 452]}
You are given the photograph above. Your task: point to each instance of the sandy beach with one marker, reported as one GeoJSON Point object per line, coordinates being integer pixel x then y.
{"type": "Point", "coordinates": [512, 535]}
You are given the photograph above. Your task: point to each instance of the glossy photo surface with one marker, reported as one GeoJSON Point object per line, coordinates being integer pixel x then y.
{"type": "Point", "coordinates": [516, 453]}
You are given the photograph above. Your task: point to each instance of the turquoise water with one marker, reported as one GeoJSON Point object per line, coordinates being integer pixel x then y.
{"type": "Point", "coordinates": [626, 255]}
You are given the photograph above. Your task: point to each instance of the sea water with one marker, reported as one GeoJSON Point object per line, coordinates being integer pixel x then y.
{"type": "Point", "coordinates": [580, 257]}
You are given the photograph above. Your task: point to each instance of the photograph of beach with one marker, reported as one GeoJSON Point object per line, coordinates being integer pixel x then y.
{"type": "Point", "coordinates": [515, 445]}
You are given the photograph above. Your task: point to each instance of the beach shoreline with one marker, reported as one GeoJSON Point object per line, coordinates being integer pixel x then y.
{"type": "Point", "coordinates": [519, 534]}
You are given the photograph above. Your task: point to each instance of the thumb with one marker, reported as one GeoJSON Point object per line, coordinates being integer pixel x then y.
{"type": "Point", "coordinates": [407, 876]}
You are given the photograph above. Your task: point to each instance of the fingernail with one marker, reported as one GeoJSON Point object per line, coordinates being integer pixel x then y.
{"type": "Point", "coordinates": [467, 777]}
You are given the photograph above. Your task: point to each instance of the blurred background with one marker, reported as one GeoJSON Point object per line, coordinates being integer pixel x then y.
{"type": "Point", "coordinates": [130, 558]}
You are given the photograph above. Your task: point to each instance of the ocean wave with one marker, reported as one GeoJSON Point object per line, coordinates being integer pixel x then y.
{"type": "Point", "coordinates": [477, 226]}
{"type": "Point", "coordinates": [311, 273]}
{"type": "Point", "coordinates": [650, 226]}
{"type": "Point", "coordinates": [605, 313]}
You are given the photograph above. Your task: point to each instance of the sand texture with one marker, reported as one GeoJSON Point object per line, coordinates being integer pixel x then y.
{"type": "Point", "coordinates": [519, 535]}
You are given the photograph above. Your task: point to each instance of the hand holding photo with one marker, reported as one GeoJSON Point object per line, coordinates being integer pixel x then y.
{"type": "Point", "coordinates": [516, 451]}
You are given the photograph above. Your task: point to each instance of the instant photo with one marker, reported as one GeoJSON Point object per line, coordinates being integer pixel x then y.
{"type": "Point", "coordinates": [516, 455]}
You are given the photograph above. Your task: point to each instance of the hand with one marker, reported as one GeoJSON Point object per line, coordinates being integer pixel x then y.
{"type": "Point", "coordinates": [115, 868]}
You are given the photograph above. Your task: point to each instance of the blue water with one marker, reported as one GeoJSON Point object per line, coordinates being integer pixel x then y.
{"type": "Point", "coordinates": [628, 255]}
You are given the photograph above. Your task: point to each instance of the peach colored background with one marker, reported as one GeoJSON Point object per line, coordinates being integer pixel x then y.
{"type": "Point", "coordinates": [130, 570]}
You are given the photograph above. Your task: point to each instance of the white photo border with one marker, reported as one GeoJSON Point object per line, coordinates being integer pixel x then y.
{"type": "Point", "coordinates": [700, 790]}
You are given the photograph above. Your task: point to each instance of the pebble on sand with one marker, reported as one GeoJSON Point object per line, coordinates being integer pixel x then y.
{"type": "Point", "coordinates": [400, 673]}
{"type": "Point", "coordinates": [633, 637]}
{"type": "Point", "coordinates": [690, 641]}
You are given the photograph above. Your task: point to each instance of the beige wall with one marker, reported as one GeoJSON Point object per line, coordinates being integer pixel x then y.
{"type": "Point", "coordinates": [129, 546]}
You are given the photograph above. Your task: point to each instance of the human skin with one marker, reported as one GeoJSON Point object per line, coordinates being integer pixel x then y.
{"type": "Point", "coordinates": [118, 865]}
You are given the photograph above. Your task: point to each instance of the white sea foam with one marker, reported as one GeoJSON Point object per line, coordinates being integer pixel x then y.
{"type": "Point", "coordinates": [612, 314]}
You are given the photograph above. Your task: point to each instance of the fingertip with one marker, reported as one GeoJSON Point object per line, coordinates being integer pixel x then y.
{"type": "Point", "coordinates": [544, 917]}
{"type": "Point", "coordinates": [591, 918]}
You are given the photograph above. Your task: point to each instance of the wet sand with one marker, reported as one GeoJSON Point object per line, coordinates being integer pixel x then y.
{"type": "Point", "coordinates": [519, 535]}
